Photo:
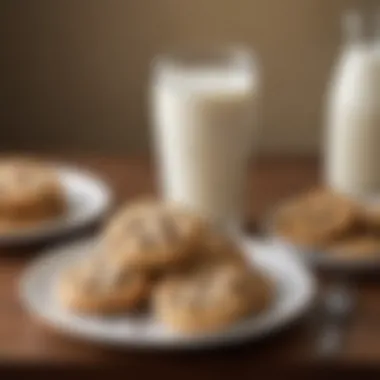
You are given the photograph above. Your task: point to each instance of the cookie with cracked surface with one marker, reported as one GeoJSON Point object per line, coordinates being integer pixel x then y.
{"type": "Point", "coordinates": [153, 236]}
{"type": "Point", "coordinates": [211, 299]}
{"type": "Point", "coordinates": [95, 286]}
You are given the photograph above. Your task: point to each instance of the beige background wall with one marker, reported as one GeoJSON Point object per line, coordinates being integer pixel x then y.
{"type": "Point", "coordinates": [75, 71]}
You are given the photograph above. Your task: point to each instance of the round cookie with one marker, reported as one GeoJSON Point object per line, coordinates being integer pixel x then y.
{"type": "Point", "coordinates": [152, 236]}
{"type": "Point", "coordinates": [356, 248]}
{"type": "Point", "coordinates": [210, 299]}
{"type": "Point", "coordinates": [30, 191]}
{"type": "Point", "coordinates": [316, 218]}
{"type": "Point", "coordinates": [97, 287]}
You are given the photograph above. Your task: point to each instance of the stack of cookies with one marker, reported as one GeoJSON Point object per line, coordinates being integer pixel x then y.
{"type": "Point", "coordinates": [30, 192]}
{"type": "Point", "coordinates": [332, 223]}
{"type": "Point", "coordinates": [193, 278]}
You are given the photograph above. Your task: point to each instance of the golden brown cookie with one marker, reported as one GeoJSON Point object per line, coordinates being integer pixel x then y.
{"type": "Point", "coordinates": [30, 191]}
{"type": "Point", "coordinates": [211, 298]}
{"type": "Point", "coordinates": [152, 236]}
{"type": "Point", "coordinates": [316, 218]}
{"type": "Point", "coordinates": [97, 287]}
{"type": "Point", "coordinates": [356, 248]}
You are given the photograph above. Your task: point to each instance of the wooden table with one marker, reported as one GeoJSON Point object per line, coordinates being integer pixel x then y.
{"type": "Point", "coordinates": [25, 343]}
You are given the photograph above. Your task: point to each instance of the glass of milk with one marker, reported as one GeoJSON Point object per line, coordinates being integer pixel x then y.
{"type": "Point", "coordinates": [204, 118]}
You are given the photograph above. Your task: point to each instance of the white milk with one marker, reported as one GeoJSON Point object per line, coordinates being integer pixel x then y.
{"type": "Point", "coordinates": [353, 123]}
{"type": "Point", "coordinates": [204, 130]}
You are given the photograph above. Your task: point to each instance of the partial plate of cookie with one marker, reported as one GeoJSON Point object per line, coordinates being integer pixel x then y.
{"type": "Point", "coordinates": [330, 230]}
{"type": "Point", "coordinates": [40, 199]}
{"type": "Point", "coordinates": [160, 276]}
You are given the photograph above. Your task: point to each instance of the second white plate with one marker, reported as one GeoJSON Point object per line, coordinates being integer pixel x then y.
{"type": "Point", "coordinates": [88, 199]}
{"type": "Point", "coordinates": [321, 259]}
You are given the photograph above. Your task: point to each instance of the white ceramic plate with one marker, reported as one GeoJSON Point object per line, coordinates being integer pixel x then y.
{"type": "Point", "coordinates": [294, 284]}
{"type": "Point", "coordinates": [321, 259]}
{"type": "Point", "coordinates": [88, 199]}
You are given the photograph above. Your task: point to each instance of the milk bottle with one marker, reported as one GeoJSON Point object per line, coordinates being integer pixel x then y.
{"type": "Point", "coordinates": [352, 155]}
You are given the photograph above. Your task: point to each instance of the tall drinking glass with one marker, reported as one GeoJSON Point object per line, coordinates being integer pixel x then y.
{"type": "Point", "coordinates": [204, 117]}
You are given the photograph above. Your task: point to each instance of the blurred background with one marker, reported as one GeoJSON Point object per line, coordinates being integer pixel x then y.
{"type": "Point", "coordinates": [75, 73]}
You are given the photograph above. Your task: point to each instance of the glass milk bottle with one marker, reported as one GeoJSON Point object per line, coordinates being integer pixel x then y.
{"type": "Point", "coordinates": [203, 110]}
{"type": "Point", "coordinates": [352, 155]}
